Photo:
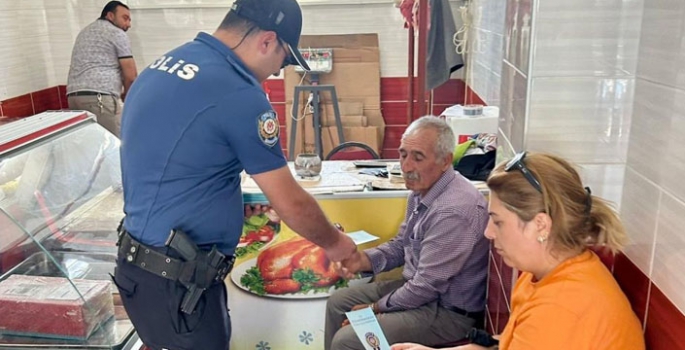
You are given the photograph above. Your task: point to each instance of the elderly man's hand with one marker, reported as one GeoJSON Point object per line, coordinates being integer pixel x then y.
{"type": "Point", "coordinates": [256, 209]}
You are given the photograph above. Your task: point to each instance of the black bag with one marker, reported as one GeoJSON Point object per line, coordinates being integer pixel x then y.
{"type": "Point", "coordinates": [476, 167]}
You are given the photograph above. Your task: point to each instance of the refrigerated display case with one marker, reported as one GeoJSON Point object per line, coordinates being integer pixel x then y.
{"type": "Point", "coordinates": [60, 204]}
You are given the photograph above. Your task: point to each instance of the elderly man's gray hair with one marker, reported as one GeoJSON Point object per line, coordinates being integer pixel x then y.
{"type": "Point", "coordinates": [446, 139]}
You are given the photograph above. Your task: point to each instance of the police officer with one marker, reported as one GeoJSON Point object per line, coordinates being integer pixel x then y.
{"type": "Point", "coordinates": [194, 119]}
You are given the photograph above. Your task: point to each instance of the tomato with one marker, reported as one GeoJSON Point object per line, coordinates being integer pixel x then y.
{"type": "Point", "coordinates": [266, 234]}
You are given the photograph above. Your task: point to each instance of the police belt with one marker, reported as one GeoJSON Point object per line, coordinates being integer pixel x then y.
{"type": "Point", "coordinates": [165, 266]}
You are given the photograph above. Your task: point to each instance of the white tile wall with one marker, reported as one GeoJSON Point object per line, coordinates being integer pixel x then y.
{"type": "Point", "coordinates": [607, 90]}
{"type": "Point", "coordinates": [669, 255]}
{"type": "Point", "coordinates": [506, 117]}
{"type": "Point", "coordinates": [587, 38]}
{"type": "Point", "coordinates": [491, 15]}
{"type": "Point", "coordinates": [518, 33]}
{"type": "Point", "coordinates": [576, 91]}
{"type": "Point", "coordinates": [586, 119]}
{"type": "Point", "coordinates": [13, 70]}
{"type": "Point", "coordinates": [514, 94]}
{"type": "Point", "coordinates": [605, 180]}
{"type": "Point", "coordinates": [639, 211]}
{"type": "Point", "coordinates": [486, 82]}
{"type": "Point", "coordinates": [662, 52]}
{"type": "Point", "coordinates": [656, 143]}
{"type": "Point", "coordinates": [650, 132]}
{"type": "Point", "coordinates": [654, 192]}
{"type": "Point", "coordinates": [519, 120]}
{"type": "Point", "coordinates": [505, 150]}
{"type": "Point", "coordinates": [156, 31]}
{"type": "Point", "coordinates": [38, 35]}
{"type": "Point", "coordinates": [485, 58]}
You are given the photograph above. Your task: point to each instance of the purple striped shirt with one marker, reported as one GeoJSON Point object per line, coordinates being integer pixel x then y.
{"type": "Point", "coordinates": [442, 247]}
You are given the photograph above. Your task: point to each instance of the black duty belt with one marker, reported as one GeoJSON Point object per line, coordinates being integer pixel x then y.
{"type": "Point", "coordinates": [148, 259]}
{"type": "Point", "coordinates": [162, 265]}
{"type": "Point", "coordinates": [88, 93]}
{"type": "Point", "coordinates": [196, 269]}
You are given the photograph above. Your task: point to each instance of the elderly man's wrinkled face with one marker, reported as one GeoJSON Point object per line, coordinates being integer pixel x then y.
{"type": "Point", "coordinates": [121, 17]}
{"type": "Point", "coordinates": [421, 166]}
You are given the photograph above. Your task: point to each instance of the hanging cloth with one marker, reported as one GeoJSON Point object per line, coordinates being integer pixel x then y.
{"type": "Point", "coordinates": [441, 59]}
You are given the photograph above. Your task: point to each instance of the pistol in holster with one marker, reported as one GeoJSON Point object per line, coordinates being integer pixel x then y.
{"type": "Point", "coordinates": [200, 269]}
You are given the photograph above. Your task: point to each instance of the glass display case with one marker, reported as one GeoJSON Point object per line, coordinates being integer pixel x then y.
{"type": "Point", "coordinates": [60, 204]}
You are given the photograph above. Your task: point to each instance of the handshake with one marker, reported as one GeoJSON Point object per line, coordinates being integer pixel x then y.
{"type": "Point", "coordinates": [355, 263]}
{"type": "Point", "coordinates": [348, 260]}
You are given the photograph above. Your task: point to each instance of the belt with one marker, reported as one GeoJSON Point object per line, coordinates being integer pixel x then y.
{"type": "Point", "coordinates": [148, 259]}
{"type": "Point", "coordinates": [470, 314]}
{"type": "Point", "coordinates": [162, 265]}
{"type": "Point", "coordinates": [88, 93]}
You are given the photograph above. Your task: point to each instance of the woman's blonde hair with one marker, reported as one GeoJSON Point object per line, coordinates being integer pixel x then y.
{"type": "Point", "coordinates": [579, 219]}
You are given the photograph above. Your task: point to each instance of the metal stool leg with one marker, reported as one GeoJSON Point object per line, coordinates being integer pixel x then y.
{"type": "Point", "coordinates": [336, 111]}
{"type": "Point", "coordinates": [295, 117]}
{"type": "Point", "coordinates": [316, 103]}
{"type": "Point", "coordinates": [317, 123]}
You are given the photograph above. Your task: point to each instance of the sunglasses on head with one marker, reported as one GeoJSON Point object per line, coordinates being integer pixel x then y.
{"type": "Point", "coordinates": [517, 163]}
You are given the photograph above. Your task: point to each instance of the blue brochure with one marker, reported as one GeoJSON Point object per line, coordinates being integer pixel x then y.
{"type": "Point", "coordinates": [368, 330]}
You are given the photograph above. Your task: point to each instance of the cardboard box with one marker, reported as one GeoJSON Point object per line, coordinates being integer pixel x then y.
{"type": "Point", "coordinates": [346, 120]}
{"type": "Point", "coordinates": [365, 134]}
{"type": "Point", "coordinates": [356, 77]}
{"type": "Point", "coordinates": [305, 140]}
{"type": "Point", "coordinates": [345, 107]}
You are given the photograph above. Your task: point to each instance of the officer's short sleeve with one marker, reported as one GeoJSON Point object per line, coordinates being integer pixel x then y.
{"type": "Point", "coordinates": [252, 130]}
{"type": "Point", "coordinates": [122, 45]}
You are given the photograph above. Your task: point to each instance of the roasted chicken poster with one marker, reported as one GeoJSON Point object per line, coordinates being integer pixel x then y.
{"type": "Point", "coordinates": [295, 268]}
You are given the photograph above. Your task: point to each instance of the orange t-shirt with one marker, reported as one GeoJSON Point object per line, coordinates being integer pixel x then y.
{"type": "Point", "coordinates": [578, 306]}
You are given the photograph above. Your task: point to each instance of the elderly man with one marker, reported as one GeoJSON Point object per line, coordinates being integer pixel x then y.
{"type": "Point", "coordinates": [440, 243]}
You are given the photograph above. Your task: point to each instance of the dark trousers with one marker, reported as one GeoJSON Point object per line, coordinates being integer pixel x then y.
{"type": "Point", "coordinates": [153, 305]}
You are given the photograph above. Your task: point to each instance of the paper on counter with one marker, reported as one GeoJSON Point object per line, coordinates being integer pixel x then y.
{"type": "Point", "coordinates": [361, 237]}
{"type": "Point", "coordinates": [368, 330]}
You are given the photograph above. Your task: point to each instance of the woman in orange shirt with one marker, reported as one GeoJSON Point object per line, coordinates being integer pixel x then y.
{"type": "Point", "coordinates": [542, 222]}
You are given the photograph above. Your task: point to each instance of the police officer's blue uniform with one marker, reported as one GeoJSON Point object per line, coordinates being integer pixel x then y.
{"type": "Point", "coordinates": [193, 120]}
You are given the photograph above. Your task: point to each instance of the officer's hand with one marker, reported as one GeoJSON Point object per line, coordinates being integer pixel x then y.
{"type": "Point", "coordinates": [343, 248]}
{"type": "Point", "coordinates": [349, 267]}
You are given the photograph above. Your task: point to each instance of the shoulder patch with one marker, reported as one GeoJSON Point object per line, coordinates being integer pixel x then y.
{"type": "Point", "coordinates": [268, 128]}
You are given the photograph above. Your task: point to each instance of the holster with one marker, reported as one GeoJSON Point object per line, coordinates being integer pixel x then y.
{"type": "Point", "coordinates": [196, 269]}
